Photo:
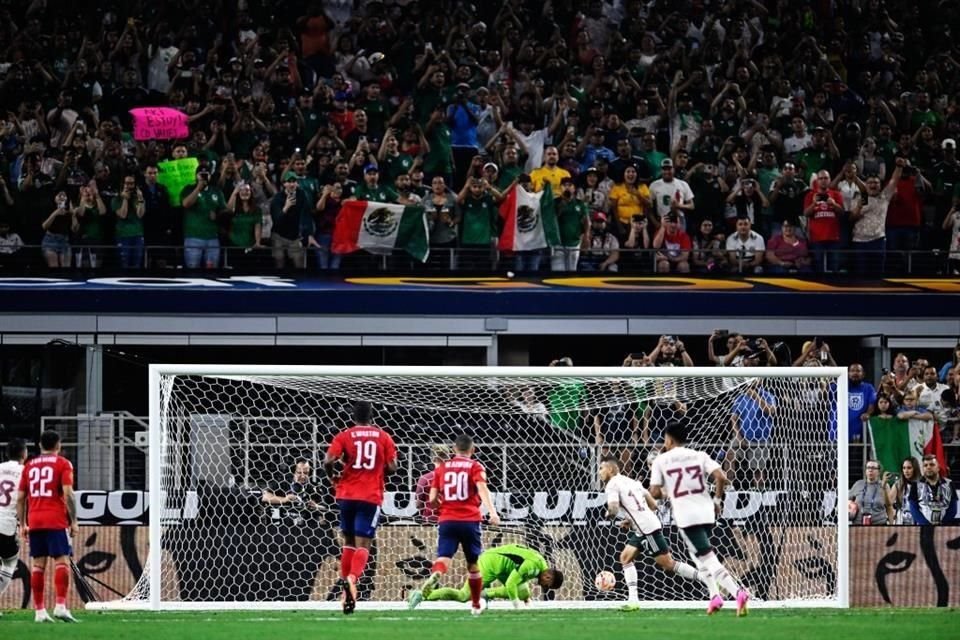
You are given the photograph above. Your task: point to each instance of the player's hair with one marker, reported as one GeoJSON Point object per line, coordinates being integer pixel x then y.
{"type": "Point", "coordinates": [16, 448]}
{"type": "Point", "coordinates": [677, 431]}
{"type": "Point", "coordinates": [362, 412]}
{"type": "Point", "coordinates": [557, 578]}
{"type": "Point", "coordinates": [930, 456]}
{"type": "Point", "coordinates": [608, 459]}
{"type": "Point", "coordinates": [298, 462]}
{"type": "Point", "coordinates": [463, 443]}
{"type": "Point", "coordinates": [49, 440]}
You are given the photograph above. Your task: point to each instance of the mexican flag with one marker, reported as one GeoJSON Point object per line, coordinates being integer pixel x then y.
{"type": "Point", "coordinates": [380, 228]}
{"type": "Point", "coordinates": [894, 440]}
{"type": "Point", "coordinates": [529, 220]}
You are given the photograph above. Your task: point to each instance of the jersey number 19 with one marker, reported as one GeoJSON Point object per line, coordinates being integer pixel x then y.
{"type": "Point", "coordinates": [366, 455]}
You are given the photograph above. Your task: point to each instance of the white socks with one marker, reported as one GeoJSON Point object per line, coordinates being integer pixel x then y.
{"type": "Point", "coordinates": [7, 568]}
{"type": "Point", "coordinates": [630, 575]}
{"type": "Point", "coordinates": [712, 564]}
{"type": "Point", "coordinates": [684, 570]}
{"type": "Point", "coordinates": [704, 576]}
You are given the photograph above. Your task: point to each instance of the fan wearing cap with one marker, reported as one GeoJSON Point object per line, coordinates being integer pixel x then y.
{"type": "Point", "coordinates": [573, 219]}
{"type": "Point", "coordinates": [671, 195]}
{"type": "Point", "coordinates": [371, 189]}
{"type": "Point", "coordinates": [823, 206]}
{"type": "Point", "coordinates": [603, 251]}
{"type": "Point", "coordinates": [592, 147]}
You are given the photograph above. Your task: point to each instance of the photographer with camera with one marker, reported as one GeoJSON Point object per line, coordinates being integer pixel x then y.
{"type": "Point", "coordinates": [670, 352]}
{"type": "Point", "coordinates": [202, 203]}
{"type": "Point", "coordinates": [750, 352]}
{"type": "Point", "coordinates": [815, 350]}
{"type": "Point", "coordinates": [730, 338]}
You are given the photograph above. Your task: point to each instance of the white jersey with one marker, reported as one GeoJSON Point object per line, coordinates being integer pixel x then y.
{"type": "Point", "coordinates": [10, 472]}
{"type": "Point", "coordinates": [631, 497]}
{"type": "Point", "coordinates": [683, 475]}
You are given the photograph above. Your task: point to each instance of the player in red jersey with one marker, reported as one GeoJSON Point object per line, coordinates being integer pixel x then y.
{"type": "Point", "coordinates": [46, 509]}
{"type": "Point", "coordinates": [357, 461]}
{"type": "Point", "coordinates": [459, 487]}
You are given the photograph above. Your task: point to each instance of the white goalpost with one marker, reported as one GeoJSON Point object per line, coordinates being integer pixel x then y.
{"type": "Point", "coordinates": [225, 440]}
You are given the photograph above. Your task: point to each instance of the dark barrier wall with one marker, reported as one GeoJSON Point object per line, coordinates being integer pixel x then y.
{"type": "Point", "coordinates": [898, 566]}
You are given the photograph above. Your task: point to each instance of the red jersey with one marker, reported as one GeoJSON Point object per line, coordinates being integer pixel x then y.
{"type": "Point", "coordinates": [456, 480]}
{"type": "Point", "coordinates": [823, 226]}
{"type": "Point", "coordinates": [365, 451]}
{"type": "Point", "coordinates": [43, 480]}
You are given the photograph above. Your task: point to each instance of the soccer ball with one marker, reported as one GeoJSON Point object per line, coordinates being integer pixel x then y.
{"type": "Point", "coordinates": [605, 581]}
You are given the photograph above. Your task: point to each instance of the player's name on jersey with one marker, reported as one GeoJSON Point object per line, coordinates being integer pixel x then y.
{"type": "Point", "coordinates": [560, 507]}
{"type": "Point", "coordinates": [366, 433]}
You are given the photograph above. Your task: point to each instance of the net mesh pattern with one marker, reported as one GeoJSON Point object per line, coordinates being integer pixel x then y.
{"type": "Point", "coordinates": [229, 445]}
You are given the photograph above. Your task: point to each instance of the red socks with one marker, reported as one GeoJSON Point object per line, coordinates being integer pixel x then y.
{"type": "Point", "coordinates": [36, 587]}
{"type": "Point", "coordinates": [61, 581]}
{"type": "Point", "coordinates": [346, 560]}
{"type": "Point", "coordinates": [360, 556]}
{"type": "Point", "coordinates": [476, 586]}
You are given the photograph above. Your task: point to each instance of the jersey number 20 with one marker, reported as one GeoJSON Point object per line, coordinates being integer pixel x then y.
{"type": "Point", "coordinates": [366, 454]}
{"type": "Point", "coordinates": [40, 479]}
{"type": "Point", "coordinates": [455, 486]}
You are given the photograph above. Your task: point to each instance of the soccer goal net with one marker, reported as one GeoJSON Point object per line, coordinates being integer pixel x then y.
{"type": "Point", "coordinates": [241, 515]}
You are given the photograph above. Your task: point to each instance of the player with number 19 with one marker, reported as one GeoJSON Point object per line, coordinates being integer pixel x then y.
{"type": "Point", "coordinates": [681, 474]}
{"type": "Point", "coordinates": [459, 487]}
{"type": "Point", "coordinates": [365, 453]}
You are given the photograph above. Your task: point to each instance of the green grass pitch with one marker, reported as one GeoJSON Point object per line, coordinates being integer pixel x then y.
{"type": "Point", "coordinates": [796, 624]}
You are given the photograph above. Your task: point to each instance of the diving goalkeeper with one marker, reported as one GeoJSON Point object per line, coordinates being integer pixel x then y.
{"type": "Point", "coordinates": [511, 566]}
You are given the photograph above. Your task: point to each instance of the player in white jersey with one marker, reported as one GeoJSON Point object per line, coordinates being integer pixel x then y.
{"type": "Point", "coordinates": [640, 510]}
{"type": "Point", "coordinates": [682, 474]}
{"type": "Point", "coordinates": [10, 472]}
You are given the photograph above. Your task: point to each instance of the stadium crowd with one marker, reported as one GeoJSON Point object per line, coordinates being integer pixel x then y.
{"type": "Point", "coordinates": [915, 390]}
{"type": "Point", "coordinates": [708, 136]}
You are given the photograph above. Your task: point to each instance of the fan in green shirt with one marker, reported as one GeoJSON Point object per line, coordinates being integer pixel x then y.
{"type": "Point", "coordinates": [572, 215]}
{"type": "Point", "coordinates": [129, 208]}
{"type": "Point", "coordinates": [511, 567]}
{"type": "Point", "coordinates": [201, 203]}
{"type": "Point", "coordinates": [371, 189]}
{"type": "Point", "coordinates": [478, 207]}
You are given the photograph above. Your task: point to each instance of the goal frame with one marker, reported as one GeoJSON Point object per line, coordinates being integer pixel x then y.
{"type": "Point", "coordinates": [156, 371]}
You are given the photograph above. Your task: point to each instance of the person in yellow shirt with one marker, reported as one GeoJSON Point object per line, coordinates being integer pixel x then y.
{"type": "Point", "coordinates": [549, 172]}
{"type": "Point", "coordinates": [628, 199]}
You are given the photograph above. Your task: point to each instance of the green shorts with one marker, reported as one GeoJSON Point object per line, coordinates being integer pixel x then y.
{"type": "Point", "coordinates": [653, 543]}
{"type": "Point", "coordinates": [697, 538]}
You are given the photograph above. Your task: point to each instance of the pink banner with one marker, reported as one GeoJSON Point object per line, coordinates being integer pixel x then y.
{"type": "Point", "coordinates": [159, 123]}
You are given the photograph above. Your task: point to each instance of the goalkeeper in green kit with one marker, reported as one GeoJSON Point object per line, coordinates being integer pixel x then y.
{"type": "Point", "coordinates": [511, 567]}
